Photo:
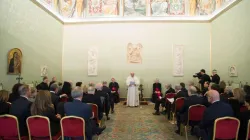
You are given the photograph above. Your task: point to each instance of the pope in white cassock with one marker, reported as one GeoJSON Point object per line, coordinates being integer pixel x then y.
{"type": "Point", "coordinates": [133, 96]}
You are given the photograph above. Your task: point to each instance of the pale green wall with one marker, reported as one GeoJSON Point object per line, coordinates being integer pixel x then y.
{"type": "Point", "coordinates": [26, 26]}
{"type": "Point", "coordinates": [157, 40]}
{"type": "Point", "coordinates": [231, 42]}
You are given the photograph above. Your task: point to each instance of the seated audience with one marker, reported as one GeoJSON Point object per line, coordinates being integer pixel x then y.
{"type": "Point", "coordinates": [104, 99]}
{"type": "Point", "coordinates": [33, 94]}
{"type": "Point", "coordinates": [179, 93]}
{"type": "Point", "coordinates": [222, 86]}
{"type": "Point", "coordinates": [205, 89]}
{"type": "Point", "coordinates": [44, 85]}
{"type": "Point", "coordinates": [216, 110]}
{"type": "Point", "coordinates": [212, 86]}
{"type": "Point", "coordinates": [54, 97]}
{"type": "Point", "coordinates": [78, 84]}
{"type": "Point", "coordinates": [15, 94]}
{"type": "Point", "coordinates": [52, 81]}
{"type": "Point", "coordinates": [111, 103]}
{"type": "Point", "coordinates": [237, 101]}
{"type": "Point", "coordinates": [4, 106]}
{"type": "Point", "coordinates": [44, 107]}
{"type": "Point", "coordinates": [198, 91]}
{"type": "Point", "coordinates": [193, 99]}
{"type": "Point", "coordinates": [66, 89]}
{"type": "Point", "coordinates": [156, 85]}
{"type": "Point", "coordinates": [21, 108]}
{"type": "Point", "coordinates": [94, 99]}
{"type": "Point", "coordinates": [227, 93]}
{"type": "Point", "coordinates": [83, 110]}
{"type": "Point", "coordinates": [244, 117]}
{"type": "Point", "coordinates": [183, 88]}
{"type": "Point", "coordinates": [162, 100]}
{"type": "Point", "coordinates": [85, 90]}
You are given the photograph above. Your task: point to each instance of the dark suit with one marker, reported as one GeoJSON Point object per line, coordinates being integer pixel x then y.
{"type": "Point", "coordinates": [13, 97]}
{"type": "Point", "coordinates": [163, 100]}
{"type": "Point", "coordinates": [180, 94]}
{"type": "Point", "coordinates": [52, 82]}
{"type": "Point", "coordinates": [236, 105]}
{"type": "Point", "coordinates": [182, 116]}
{"type": "Point", "coordinates": [42, 86]}
{"type": "Point", "coordinates": [54, 121]}
{"type": "Point", "coordinates": [243, 117]}
{"type": "Point", "coordinates": [94, 99]}
{"type": "Point", "coordinates": [111, 97]}
{"type": "Point", "coordinates": [214, 111]}
{"type": "Point", "coordinates": [184, 90]}
{"type": "Point", "coordinates": [79, 109]}
{"type": "Point", "coordinates": [203, 79]}
{"type": "Point", "coordinates": [55, 100]}
{"type": "Point", "coordinates": [106, 100]}
{"type": "Point", "coordinates": [114, 86]}
{"type": "Point", "coordinates": [154, 96]}
{"type": "Point", "coordinates": [4, 108]}
{"type": "Point", "coordinates": [215, 79]}
{"type": "Point", "coordinates": [21, 109]}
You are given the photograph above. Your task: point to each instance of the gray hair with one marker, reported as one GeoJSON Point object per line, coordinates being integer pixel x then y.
{"type": "Point", "coordinates": [177, 87]}
{"type": "Point", "coordinates": [104, 82]}
{"type": "Point", "coordinates": [23, 89]}
{"type": "Point", "coordinates": [98, 86]}
{"type": "Point", "coordinates": [77, 92]}
{"type": "Point", "coordinates": [91, 90]}
{"type": "Point", "coordinates": [169, 85]}
{"type": "Point", "coordinates": [228, 89]}
{"type": "Point", "coordinates": [190, 83]}
{"type": "Point", "coordinates": [53, 87]}
{"type": "Point", "coordinates": [192, 90]}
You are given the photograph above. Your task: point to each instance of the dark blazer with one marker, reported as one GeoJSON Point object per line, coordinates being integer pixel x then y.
{"type": "Point", "coordinates": [171, 90]}
{"type": "Point", "coordinates": [13, 97]}
{"type": "Point", "coordinates": [235, 104]}
{"type": "Point", "coordinates": [180, 94]}
{"type": "Point", "coordinates": [204, 78]}
{"type": "Point", "coordinates": [243, 117]}
{"type": "Point", "coordinates": [83, 110]}
{"type": "Point", "coordinates": [94, 99]}
{"type": "Point", "coordinates": [55, 100]}
{"type": "Point", "coordinates": [114, 85]}
{"type": "Point", "coordinates": [43, 86]}
{"type": "Point", "coordinates": [52, 82]}
{"type": "Point", "coordinates": [156, 85]}
{"type": "Point", "coordinates": [21, 109]}
{"type": "Point", "coordinates": [4, 108]}
{"type": "Point", "coordinates": [105, 95]}
{"type": "Point", "coordinates": [107, 90]}
{"type": "Point", "coordinates": [184, 90]}
{"type": "Point", "coordinates": [215, 79]}
{"type": "Point", "coordinates": [54, 121]}
{"type": "Point", "coordinates": [189, 101]}
{"type": "Point", "coordinates": [216, 110]}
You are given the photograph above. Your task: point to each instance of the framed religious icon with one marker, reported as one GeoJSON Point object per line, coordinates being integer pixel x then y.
{"type": "Point", "coordinates": [14, 61]}
{"type": "Point", "coordinates": [232, 71]}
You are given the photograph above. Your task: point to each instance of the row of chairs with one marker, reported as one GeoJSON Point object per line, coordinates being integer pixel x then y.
{"type": "Point", "coordinates": [39, 127]}
{"type": "Point", "coordinates": [222, 126]}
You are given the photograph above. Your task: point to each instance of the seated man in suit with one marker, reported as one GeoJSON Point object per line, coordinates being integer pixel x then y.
{"type": "Point", "coordinates": [162, 100]}
{"type": "Point", "coordinates": [183, 87]}
{"type": "Point", "coordinates": [179, 92]}
{"type": "Point", "coordinates": [44, 85]}
{"type": "Point", "coordinates": [83, 110]}
{"type": "Point", "coordinates": [193, 99]}
{"type": "Point", "coordinates": [21, 108]}
{"type": "Point", "coordinates": [104, 98]}
{"type": "Point", "coordinates": [94, 99]}
{"type": "Point", "coordinates": [216, 110]}
{"type": "Point", "coordinates": [110, 103]}
{"type": "Point", "coordinates": [54, 98]}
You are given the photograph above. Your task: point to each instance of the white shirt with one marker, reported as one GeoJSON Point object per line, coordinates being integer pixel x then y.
{"type": "Point", "coordinates": [24, 96]}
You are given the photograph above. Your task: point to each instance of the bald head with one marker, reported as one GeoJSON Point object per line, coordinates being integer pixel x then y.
{"type": "Point", "coordinates": [213, 96]}
{"type": "Point", "coordinates": [98, 86]}
{"type": "Point", "coordinates": [132, 74]}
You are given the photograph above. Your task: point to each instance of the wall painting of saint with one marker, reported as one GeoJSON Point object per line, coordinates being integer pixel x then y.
{"type": "Point", "coordinates": [14, 61]}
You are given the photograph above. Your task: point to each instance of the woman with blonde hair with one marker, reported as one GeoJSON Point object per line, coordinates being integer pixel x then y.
{"type": "Point", "coordinates": [43, 106]}
{"type": "Point", "coordinates": [4, 106]}
{"type": "Point", "coordinates": [237, 101]}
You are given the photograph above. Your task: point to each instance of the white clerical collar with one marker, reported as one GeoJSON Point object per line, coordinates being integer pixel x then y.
{"type": "Point", "coordinates": [24, 96]}
{"type": "Point", "coordinates": [178, 91]}
{"type": "Point", "coordinates": [52, 91]}
{"type": "Point", "coordinates": [215, 101]}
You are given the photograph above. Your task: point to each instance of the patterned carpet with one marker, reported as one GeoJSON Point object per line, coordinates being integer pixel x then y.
{"type": "Point", "coordinates": [138, 123]}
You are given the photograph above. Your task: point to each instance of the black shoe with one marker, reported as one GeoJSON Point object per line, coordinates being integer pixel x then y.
{"type": "Point", "coordinates": [177, 132]}
{"type": "Point", "coordinates": [156, 113]}
{"type": "Point", "coordinates": [108, 118]}
{"type": "Point", "coordinates": [99, 131]}
{"type": "Point", "coordinates": [112, 111]}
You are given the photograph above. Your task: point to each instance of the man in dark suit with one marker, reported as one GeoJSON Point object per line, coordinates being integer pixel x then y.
{"type": "Point", "coordinates": [205, 89]}
{"type": "Point", "coordinates": [21, 108]}
{"type": "Point", "coordinates": [54, 97]}
{"type": "Point", "coordinates": [193, 99]}
{"type": "Point", "coordinates": [83, 110]}
{"type": "Point", "coordinates": [104, 98]}
{"type": "Point", "coordinates": [179, 92]}
{"type": "Point", "coordinates": [91, 97]}
{"type": "Point", "coordinates": [53, 81]}
{"type": "Point", "coordinates": [204, 78]}
{"type": "Point", "coordinates": [156, 86]}
{"type": "Point", "coordinates": [44, 85]}
{"type": "Point", "coordinates": [162, 100]}
{"type": "Point", "coordinates": [216, 110]}
{"type": "Point", "coordinates": [215, 77]}
{"type": "Point", "coordinates": [183, 87]}
{"type": "Point", "coordinates": [106, 89]}
{"type": "Point", "coordinates": [114, 86]}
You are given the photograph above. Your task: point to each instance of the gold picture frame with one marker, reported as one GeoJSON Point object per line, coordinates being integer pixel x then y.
{"type": "Point", "coordinates": [14, 62]}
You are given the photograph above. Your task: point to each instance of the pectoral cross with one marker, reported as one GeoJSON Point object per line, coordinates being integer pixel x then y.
{"type": "Point", "coordinates": [19, 78]}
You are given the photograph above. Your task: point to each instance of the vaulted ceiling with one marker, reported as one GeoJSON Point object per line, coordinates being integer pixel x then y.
{"type": "Point", "coordinates": [80, 11]}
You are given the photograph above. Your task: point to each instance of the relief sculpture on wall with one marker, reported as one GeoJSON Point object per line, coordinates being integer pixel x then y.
{"type": "Point", "coordinates": [134, 54]}
{"type": "Point", "coordinates": [178, 60]}
{"type": "Point", "coordinates": [92, 61]}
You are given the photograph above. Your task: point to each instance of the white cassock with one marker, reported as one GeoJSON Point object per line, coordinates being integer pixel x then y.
{"type": "Point", "coordinates": [133, 95]}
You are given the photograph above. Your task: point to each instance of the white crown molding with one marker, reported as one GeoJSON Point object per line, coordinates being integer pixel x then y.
{"type": "Point", "coordinates": [207, 18]}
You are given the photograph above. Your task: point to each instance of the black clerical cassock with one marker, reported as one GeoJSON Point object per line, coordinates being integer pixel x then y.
{"type": "Point", "coordinates": [114, 86]}
{"type": "Point", "coordinates": [155, 86]}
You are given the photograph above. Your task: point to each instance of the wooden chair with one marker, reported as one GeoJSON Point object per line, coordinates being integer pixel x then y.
{"type": "Point", "coordinates": [226, 128]}
{"type": "Point", "coordinates": [195, 114]}
{"type": "Point", "coordinates": [73, 127]}
{"type": "Point", "coordinates": [9, 129]}
{"type": "Point", "coordinates": [39, 128]}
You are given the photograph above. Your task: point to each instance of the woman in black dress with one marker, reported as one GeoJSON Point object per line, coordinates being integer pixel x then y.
{"type": "Point", "coordinates": [4, 106]}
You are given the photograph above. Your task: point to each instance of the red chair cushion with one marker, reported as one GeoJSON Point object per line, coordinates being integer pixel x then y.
{"type": "Point", "coordinates": [8, 127]}
{"type": "Point", "coordinates": [73, 127]}
{"type": "Point", "coordinates": [179, 103]}
{"type": "Point", "coordinates": [243, 108]}
{"type": "Point", "coordinates": [39, 127]}
{"type": "Point", "coordinates": [226, 129]}
{"type": "Point", "coordinates": [57, 136]}
{"type": "Point", "coordinates": [196, 113]}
